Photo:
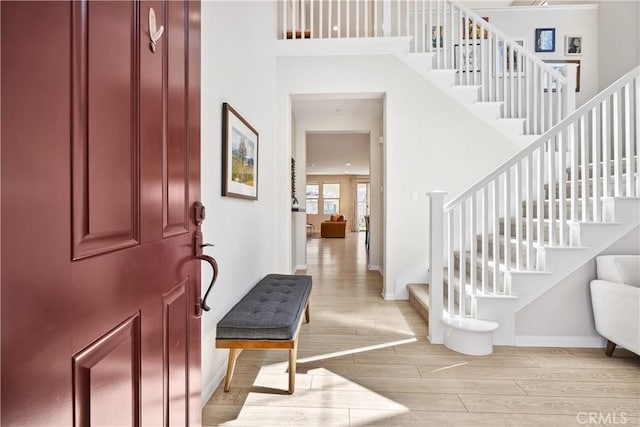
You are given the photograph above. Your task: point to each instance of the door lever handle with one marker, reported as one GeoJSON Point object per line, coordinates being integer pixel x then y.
{"type": "Point", "coordinates": [214, 265]}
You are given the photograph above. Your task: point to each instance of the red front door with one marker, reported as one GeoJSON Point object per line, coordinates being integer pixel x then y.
{"type": "Point", "coordinates": [100, 168]}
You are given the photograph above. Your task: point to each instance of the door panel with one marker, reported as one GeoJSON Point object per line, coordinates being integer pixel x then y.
{"type": "Point", "coordinates": [105, 136]}
{"type": "Point", "coordinates": [176, 153]}
{"type": "Point", "coordinates": [106, 375]}
{"type": "Point", "coordinates": [175, 326]}
{"type": "Point", "coordinates": [100, 162]}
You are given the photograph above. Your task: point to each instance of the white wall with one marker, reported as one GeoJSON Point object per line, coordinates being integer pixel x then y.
{"type": "Point", "coordinates": [619, 39]}
{"type": "Point", "coordinates": [565, 311]}
{"type": "Point", "coordinates": [519, 22]}
{"type": "Point", "coordinates": [431, 142]}
{"type": "Point", "coordinates": [238, 66]}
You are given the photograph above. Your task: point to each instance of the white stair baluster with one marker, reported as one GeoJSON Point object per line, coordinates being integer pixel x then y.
{"type": "Point", "coordinates": [606, 148]}
{"type": "Point", "coordinates": [485, 239]}
{"type": "Point", "coordinates": [496, 233]}
{"type": "Point", "coordinates": [450, 264]}
{"type": "Point", "coordinates": [637, 135]}
{"type": "Point", "coordinates": [573, 143]}
{"type": "Point", "coordinates": [518, 216]}
{"type": "Point", "coordinates": [529, 213]}
{"type": "Point", "coordinates": [628, 144]}
{"type": "Point", "coordinates": [473, 248]}
{"type": "Point", "coordinates": [551, 152]}
{"type": "Point", "coordinates": [506, 196]}
{"type": "Point", "coordinates": [595, 161]}
{"type": "Point", "coordinates": [330, 20]}
{"type": "Point", "coordinates": [562, 187]}
{"type": "Point", "coordinates": [540, 195]}
{"type": "Point", "coordinates": [617, 145]}
{"type": "Point", "coordinates": [584, 161]}
{"type": "Point", "coordinates": [463, 262]}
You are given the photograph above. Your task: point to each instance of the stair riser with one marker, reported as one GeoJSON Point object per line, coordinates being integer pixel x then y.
{"type": "Point", "coordinates": [524, 228]}
{"type": "Point", "coordinates": [419, 307]}
{"type": "Point", "coordinates": [567, 205]}
{"type": "Point", "coordinates": [580, 192]}
{"type": "Point", "coordinates": [512, 246]}
{"type": "Point", "coordinates": [590, 171]}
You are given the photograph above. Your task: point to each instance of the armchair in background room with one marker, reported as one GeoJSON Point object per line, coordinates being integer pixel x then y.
{"type": "Point", "coordinates": [336, 226]}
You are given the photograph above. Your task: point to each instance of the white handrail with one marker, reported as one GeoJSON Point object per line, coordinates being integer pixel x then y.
{"type": "Point", "coordinates": [571, 118]}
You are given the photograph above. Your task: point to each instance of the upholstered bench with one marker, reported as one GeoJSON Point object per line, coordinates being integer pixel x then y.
{"type": "Point", "coordinates": [269, 316]}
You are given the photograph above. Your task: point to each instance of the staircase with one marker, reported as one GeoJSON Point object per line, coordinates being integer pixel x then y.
{"type": "Point", "coordinates": [533, 221]}
{"type": "Point", "coordinates": [569, 193]}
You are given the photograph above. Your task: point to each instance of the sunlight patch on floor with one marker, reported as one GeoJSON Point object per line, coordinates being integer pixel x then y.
{"type": "Point", "coordinates": [355, 350]}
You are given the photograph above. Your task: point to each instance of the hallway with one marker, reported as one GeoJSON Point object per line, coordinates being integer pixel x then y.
{"type": "Point", "coordinates": [366, 361]}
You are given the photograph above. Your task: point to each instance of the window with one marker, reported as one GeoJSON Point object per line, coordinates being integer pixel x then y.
{"type": "Point", "coordinates": [313, 192]}
{"type": "Point", "coordinates": [331, 198]}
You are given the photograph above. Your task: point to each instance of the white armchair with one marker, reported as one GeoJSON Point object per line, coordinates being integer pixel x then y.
{"type": "Point", "coordinates": [615, 297]}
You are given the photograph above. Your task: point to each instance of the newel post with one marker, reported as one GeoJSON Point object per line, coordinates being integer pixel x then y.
{"type": "Point", "coordinates": [570, 71]}
{"type": "Point", "coordinates": [436, 265]}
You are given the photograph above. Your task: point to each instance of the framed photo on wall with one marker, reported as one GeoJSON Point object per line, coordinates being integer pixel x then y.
{"type": "Point", "coordinates": [239, 156]}
{"type": "Point", "coordinates": [545, 39]}
{"type": "Point", "coordinates": [573, 45]}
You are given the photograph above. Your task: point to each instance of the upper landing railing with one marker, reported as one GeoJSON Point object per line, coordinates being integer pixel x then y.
{"type": "Point", "coordinates": [503, 69]}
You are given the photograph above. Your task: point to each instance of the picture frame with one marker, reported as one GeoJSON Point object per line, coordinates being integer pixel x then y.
{"type": "Point", "coordinates": [511, 67]}
{"type": "Point", "coordinates": [469, 31]}
{"type": "Point", "coordinates": [239, 156]}
{"type": "Point", "coordinates": [473, 51]}
{"type": "Point", "coordinates": [558, 64]}
{"type": "Point", "coordinates": [573, 45]}
{"type": "Point", "coordinates": [545, 39]}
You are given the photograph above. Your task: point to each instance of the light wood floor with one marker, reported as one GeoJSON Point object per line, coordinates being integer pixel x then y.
{"type": "Point", "coordinates": [366, 361]}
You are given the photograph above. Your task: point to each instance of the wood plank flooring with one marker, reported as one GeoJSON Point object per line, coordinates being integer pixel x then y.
{"type": "Point", "coordinates": [365, 361]}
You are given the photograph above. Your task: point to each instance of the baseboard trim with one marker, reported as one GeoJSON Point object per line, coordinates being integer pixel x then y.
{"type": "Point", "coordinates": [389, 296]}
{"type": "Point", "coordinates": [299, 267]}
{"type": "Point", "coordinates": [212, 385]}
{"type": "Point", "coordinates": [559, 341]}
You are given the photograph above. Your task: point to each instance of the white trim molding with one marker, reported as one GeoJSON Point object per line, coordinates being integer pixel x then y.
{"type": "Point", "coordinates": [559, 341]}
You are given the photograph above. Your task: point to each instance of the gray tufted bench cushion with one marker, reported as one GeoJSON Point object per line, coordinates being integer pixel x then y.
{"type": "Point", "coordinates": [269, 316]}
{"type": "Point", "coordinates": [270, 311]}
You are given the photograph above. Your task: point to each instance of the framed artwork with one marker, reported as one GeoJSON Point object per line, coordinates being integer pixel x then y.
{"type": "Point", "coordinates": [468, 22]}
{"type": "Point", "coordinates": [469, 54]}
{"type": "Point", "coordinates": [573, 45]}
{"type": "Point", "coordinates": [545, 39]}
{"type": "Point", "coordinates": [511, 57]}
{"type": "Point", "coordinates": [558, 65]}
{"type": "Point", "coordinates": [239, 156]}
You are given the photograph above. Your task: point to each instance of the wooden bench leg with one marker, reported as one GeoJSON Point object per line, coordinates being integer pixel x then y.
{"type": "Point", "coordinates": [293, 359]}
{"type": "Point", "coordinates": [306, 314]}
{"type": "Point", "coordinates": [231, 366]}
{"type": "Point", "coordinates": [610, 347]}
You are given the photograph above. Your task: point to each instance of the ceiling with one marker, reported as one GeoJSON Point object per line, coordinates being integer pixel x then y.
{"type": "Point", "coordinates": [338, 153]}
